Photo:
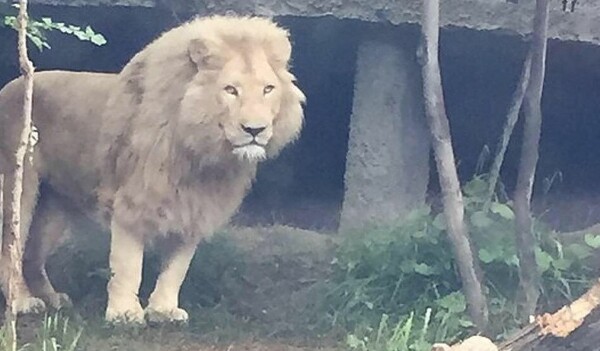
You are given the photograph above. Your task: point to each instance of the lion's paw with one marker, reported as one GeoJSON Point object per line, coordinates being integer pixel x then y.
{"type": "Point", "coordinates": [162, 316]}
{"type": "Point", "coordinates": [30, 305]}
{"type": "Point", "coordinates": [58, 301]}
{"type": "Point", "coordinates": [125, 317]}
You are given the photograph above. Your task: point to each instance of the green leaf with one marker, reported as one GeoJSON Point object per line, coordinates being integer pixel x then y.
{"type": "Point", "coordinates": [503, 210]}
{"type": "Point", "coordinates": [592, 240]}
{"type": "Point", "coordinates": [485, 256]}
{"type": "Point", "coordinates": [89, 31]}
{"type": "Point", "coordinates": [64, 29]}
{"type": "Point", "coordinates": [480, 219]}
{"type": "Point", "coordinates": [37, 42]}
{"type": "Point", "coordinates": [98, 39]}
{"type": "Point", "coordinates": [418, 234]}
{"type": "Point", "coordinates": [562, 264]}
{"type": "Point", "coordinates": [465, 323]}
{"type": "Point", "coordinates": [424, 269]}
{"type": "Point", "coordinates": [408, 266]}
{"type": "Point", "coordinates": [543, 259]}
{"type": "Point", "coordinates": [580, 251]}
{"type": "Point", "coordinates": [355, 342]}
{"type": "Point", "coordinates": [80, 35]}
{"type": "Point", "coordinates": [476, 188]}
{"type": "Point", "coordinates": [439, 222]}
{"type": "Point", "coordinates": [513, 260]}
{"type": "Point", "coordinates": [10, 21]}
{"type": "Point", "coordinates": [454, 302]}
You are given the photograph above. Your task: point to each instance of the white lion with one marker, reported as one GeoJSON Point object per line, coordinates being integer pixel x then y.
{"type": "Point", "coordinates": [162, 152]}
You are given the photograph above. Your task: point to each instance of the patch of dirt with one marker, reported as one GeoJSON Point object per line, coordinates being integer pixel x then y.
{"type": "Point", "coordinates": [186, 346]}
{"type": "Point", "coordinates": [279, 273]}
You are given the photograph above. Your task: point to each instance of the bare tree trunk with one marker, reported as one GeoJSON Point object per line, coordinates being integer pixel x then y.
{"type": "Point", "coordinates": [446, 167]}
{"type": "Point", "coordinates": [532, 108]}
{"type": "Point", "coordinates": [1, 206]}
{"type": "Point", "coordinates": [511, 119]}
{"type": "Point", "coordinates": [14, 235]}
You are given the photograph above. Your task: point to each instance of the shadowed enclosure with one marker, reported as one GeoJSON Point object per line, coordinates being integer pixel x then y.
{"type": "Point", "coordinates": [305, 186]}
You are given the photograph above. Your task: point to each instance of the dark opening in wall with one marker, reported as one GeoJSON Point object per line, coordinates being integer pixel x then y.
{"type": "Point", "coordinates": [480, 71]}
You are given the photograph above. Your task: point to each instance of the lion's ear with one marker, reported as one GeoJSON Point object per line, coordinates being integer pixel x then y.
{"type": "Point", "coordinates": [280, 52]}
{"type": "Point", "coordinates": [203, 53]}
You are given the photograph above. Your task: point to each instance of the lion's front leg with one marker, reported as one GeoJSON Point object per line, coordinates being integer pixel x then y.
{"type": "Point", "coordinates": [126, 256]}
{"type": "Point", "coordinates": [163, 305]}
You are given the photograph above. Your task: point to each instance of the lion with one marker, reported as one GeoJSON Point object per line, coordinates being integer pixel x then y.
{"type": "Point", "coordinates": [161, 153]}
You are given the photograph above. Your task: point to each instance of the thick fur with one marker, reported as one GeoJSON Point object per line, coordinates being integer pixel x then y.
{"type": "Point", "coordinates": [164, 151]}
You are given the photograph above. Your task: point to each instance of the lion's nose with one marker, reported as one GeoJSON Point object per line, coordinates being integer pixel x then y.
{"type": "Point", "coordinates": [254, 131]}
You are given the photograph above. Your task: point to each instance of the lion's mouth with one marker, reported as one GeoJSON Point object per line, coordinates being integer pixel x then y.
{"type": "Point", "coordinates": [252, 151]}
{"type": "Point", "coordinates": [252, 142]}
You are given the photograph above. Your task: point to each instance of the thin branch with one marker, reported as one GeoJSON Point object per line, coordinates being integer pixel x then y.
{"type": "Point", "coordinates": [1, 206]}
{"type": "Point", "coordinates": [512, 117]}
{"type": "Point", "coordinates": [452, 199]}
{"type": "Point", "coordinates": [532, 109]}
{"type": "Point", "coordinates": [14, 236]}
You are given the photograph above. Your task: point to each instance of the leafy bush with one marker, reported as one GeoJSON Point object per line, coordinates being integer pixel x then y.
{"type": "Point", "coordinates": [408, 267]}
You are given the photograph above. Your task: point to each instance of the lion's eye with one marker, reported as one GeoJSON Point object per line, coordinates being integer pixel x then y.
{"type": "Point", "coordinates": [269, 88]}
{"type": "Point", "coordinates": [230, 89]}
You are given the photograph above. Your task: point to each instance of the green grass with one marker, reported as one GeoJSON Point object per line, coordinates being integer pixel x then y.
{"type": "Point", "coordinates": [401, 336]}
{"type": "Point", "coordinates": [54, 333]}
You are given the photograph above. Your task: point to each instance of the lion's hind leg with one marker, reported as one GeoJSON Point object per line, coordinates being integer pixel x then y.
{"type": "Point", "coordinates": [46, 234]}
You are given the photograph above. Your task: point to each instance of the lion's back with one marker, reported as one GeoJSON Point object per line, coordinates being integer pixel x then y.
{"type": "Point", "coordinates": [67, 112]}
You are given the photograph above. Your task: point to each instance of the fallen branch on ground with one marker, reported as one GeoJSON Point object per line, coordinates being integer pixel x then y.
{"type": "Point", "coordinates": [548, 332]}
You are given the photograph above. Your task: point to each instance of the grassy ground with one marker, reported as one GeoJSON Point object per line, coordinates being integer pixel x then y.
{"type": "Point", "coordinates": [247, 289]}
{"type": "Point", "coordinates": [94, 335]}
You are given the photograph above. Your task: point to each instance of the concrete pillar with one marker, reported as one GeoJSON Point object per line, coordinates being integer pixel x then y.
{"type": "Point", "coordinates": [387, 166]}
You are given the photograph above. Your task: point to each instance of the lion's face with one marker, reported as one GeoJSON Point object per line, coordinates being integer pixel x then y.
{"type": "Point", "coordinates": [242, 96]}
{"type": "Point", "coordinates": [249, 94]}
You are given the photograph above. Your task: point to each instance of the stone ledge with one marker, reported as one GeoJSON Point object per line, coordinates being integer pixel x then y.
{"type": "Point", "coordinates": [79, 3]}
{"type": "Point", "coordinates": [582, 25]}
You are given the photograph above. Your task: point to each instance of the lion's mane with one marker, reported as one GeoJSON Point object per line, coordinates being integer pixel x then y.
{"type": "Point", "coordinates": [146, 158]}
